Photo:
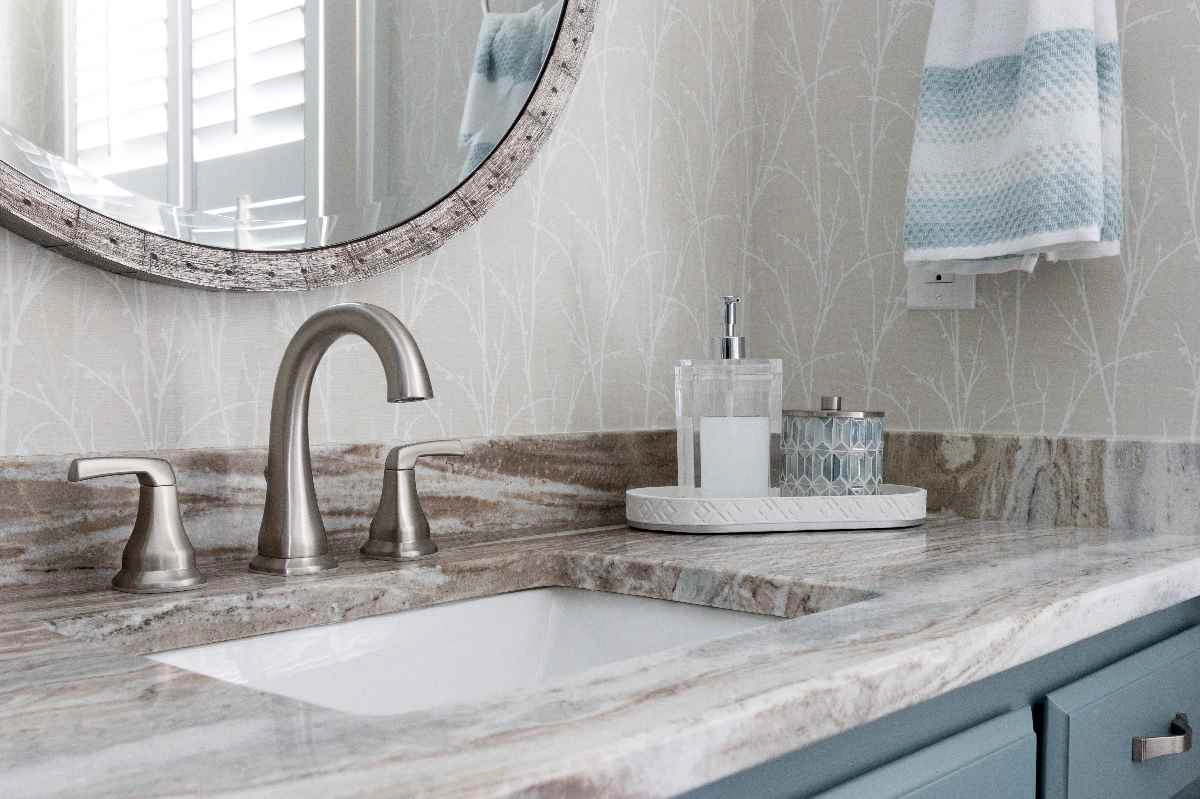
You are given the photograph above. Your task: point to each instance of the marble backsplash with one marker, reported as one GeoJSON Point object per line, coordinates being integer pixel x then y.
{"type": "Point", "coordinates": [51, 530]}
{"type": "Point", "coordinates": [1083, 482]}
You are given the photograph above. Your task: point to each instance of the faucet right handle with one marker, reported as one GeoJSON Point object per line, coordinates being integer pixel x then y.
{"type": "Point", "coordinates": [400, 529]}
{"type": "Point", "coordinates": [406, 455]}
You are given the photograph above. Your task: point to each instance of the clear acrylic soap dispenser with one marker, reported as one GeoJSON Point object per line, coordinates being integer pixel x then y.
{"type": "Point", "coordinates": [728, 414]}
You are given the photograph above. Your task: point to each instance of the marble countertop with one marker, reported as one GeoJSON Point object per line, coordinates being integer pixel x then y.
{"type": "Point", "coordinates": [876, 622]}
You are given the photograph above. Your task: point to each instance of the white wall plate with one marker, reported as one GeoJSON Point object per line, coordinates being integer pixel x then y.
{"type": "Point", "coordinates": [931, 291]}
{"type": "Point", "coordinates": [684, 510]}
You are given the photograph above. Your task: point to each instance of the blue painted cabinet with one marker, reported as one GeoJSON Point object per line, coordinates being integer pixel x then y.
{"type": "Point", "coordinates": [1086, 703]}
{"type": "Point", "coordinates": [997, 759]}
{"type": "Point", "coordinates": [1091, 723]}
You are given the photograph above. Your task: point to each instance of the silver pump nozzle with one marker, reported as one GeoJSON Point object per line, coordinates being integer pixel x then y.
{"type": "Point", "coordinates": [730, 346]}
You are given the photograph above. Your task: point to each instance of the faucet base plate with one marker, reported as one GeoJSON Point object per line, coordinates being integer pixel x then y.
{"type": "Point", "coordinates": [292, 567]}
{"type": "Point", "coordinates": [158, 582]}
{"type": "Point", "coordinates": [397, 550]}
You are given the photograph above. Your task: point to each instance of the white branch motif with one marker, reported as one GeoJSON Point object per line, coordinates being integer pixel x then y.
{"type": "Point", "coordinates": [750, 146]}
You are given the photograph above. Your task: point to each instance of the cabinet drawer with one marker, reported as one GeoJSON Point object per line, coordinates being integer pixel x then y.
{"type": "Point", "coordinates": [1090, 725]}
{"type": "Point", "coordinates": [996, 760]}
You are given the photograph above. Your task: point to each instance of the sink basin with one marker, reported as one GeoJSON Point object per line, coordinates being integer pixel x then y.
{"type": "Point", "coordinates": [460, 651]}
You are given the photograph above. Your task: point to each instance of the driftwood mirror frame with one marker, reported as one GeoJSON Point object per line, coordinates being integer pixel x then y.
{"type": "Point", "coordinates": [38, 213]}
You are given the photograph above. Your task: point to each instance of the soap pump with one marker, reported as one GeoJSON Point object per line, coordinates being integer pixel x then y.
{"type": "Point", "coordinates": [730, 346]}
{"type": "Point", "coordinates": [728, 413]}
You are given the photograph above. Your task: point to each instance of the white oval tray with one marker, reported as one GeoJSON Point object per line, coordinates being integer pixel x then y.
{"type": "Point", "coordinates": [683, 510]}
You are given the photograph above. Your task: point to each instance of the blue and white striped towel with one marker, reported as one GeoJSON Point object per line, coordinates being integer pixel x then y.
{"type": "Point", "coordinates": [508, 60]}
{"type": "Point", "coordinates": [1017, 151]}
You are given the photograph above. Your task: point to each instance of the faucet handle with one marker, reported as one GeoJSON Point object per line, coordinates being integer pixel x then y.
{"type": "Point", "coordinates": [406, 455]}
{"type": "Point", "coordinates": [150, 471]}
{"type": "Point", "coordinates": [400, 529]}
{"type": "Point", "coordinates": [158, 556]}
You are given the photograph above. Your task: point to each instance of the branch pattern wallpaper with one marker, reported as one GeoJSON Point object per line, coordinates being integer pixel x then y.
{"type": "Point", "coordinates": [747, 146]}
{"type": "Point", "coordinates": [1099, 348]}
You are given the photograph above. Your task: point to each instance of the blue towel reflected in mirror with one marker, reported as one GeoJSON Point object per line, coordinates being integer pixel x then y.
{"type": "Point", "coordinates": [508, 60]}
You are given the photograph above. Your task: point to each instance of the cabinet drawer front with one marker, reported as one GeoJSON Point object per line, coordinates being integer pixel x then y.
{"type": "Point", "coordinates": [997, 760]}
{"type": "Point", "coordinates": [1091, 724]}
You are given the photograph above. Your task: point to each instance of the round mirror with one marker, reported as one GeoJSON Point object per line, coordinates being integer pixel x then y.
{"type": "Point", "coordinates": [261, 144]}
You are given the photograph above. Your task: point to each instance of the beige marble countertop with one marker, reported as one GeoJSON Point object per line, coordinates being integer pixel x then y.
{"type": "Point", "coordinates": [877, 622]}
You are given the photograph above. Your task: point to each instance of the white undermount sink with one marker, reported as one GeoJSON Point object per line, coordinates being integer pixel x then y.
{"type": "Point", "coordinates": [459, 651]}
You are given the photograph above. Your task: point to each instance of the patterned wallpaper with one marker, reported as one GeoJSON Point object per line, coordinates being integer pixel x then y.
{"type": "Point", "coordinates": [1099, 348]}
{"type": "Point", "coordinates": [741, 145]}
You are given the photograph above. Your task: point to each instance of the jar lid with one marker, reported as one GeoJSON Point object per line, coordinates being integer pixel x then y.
{"type": "Point", "coordinates": [832, 406]}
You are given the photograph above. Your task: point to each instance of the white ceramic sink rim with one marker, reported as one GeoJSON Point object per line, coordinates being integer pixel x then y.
{"type": "Point", "coordinates": [459, 651]}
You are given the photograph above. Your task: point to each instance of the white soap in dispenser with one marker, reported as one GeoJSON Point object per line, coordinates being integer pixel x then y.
{"type": "Point", "coordinates": [728, 410]}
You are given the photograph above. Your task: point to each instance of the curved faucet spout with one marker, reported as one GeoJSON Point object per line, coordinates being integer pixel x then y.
{"type": "Point", "coordinates": [292, 537]}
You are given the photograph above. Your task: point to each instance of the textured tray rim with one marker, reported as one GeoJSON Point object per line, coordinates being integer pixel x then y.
{"type": "Point", "coordinates": [768, 518]}
{"type": "Point", "coordinates": [770, 527]}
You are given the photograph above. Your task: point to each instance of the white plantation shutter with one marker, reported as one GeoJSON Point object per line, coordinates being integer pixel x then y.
{"type": "Point", "coordinates": [247, 75]}
{"type": "Point", "coordinates": [246, 91]}
{"type": "Point", "coordinates": [121, 88]}
{"type": "Point", "coordinates": [179, 85]}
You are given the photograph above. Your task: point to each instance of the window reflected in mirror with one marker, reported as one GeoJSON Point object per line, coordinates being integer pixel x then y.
{"type": "Point", "coordinates": [265, 124]}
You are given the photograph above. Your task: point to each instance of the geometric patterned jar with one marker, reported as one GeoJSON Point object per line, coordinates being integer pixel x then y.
{"type": "Point", "coordinates": [831, 452]}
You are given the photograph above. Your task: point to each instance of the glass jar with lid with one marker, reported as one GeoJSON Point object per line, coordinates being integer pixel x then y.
{"type": "Point", "coordinates": [831, 451]}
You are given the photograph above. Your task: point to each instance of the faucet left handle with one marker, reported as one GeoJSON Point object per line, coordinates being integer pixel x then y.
{"type": "Point", "coordinates": [158, 556]}
{"type": "Point", "coordinates": [149, 471]}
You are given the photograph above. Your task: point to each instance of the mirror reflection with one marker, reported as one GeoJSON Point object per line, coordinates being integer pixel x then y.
{"type": "Point", "coordinates": [264, 124]}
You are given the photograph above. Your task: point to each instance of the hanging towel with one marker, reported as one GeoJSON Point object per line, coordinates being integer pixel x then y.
{"type": "Point", "coordinates": [508, 60]}
{"type": "Point", "coordinates": [1017, 150]}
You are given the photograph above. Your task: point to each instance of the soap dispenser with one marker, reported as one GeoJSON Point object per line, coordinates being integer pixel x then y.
{"type": "Point", "coordinates": [728, 413]}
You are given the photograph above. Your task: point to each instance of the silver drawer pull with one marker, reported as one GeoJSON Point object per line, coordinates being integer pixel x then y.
{"type": "Point", "coordinates": [1177, 743]}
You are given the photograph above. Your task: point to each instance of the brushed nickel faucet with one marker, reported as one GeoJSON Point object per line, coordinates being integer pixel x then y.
{"type": "Point", "coordinates": [400, 529]}
{"type": "Point", "coordinates": [158, 556]}
{"type": "Point", "coordinates": [292, 537]}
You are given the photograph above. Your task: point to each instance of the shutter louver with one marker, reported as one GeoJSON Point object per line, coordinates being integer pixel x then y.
{"type": "Point", "coordinates": [121, 93]}
{"type": "Point", "coordinates": [247, 75]}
